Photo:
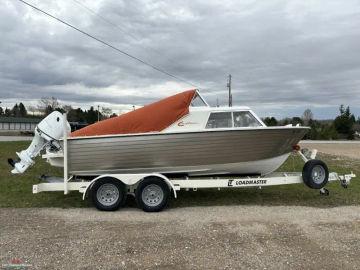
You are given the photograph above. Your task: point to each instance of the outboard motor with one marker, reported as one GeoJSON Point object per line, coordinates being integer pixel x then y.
{"type": "Point", "coordinates": [47, 132]}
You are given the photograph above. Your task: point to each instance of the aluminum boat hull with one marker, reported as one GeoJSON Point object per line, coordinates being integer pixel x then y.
{"type": "Point", "coordinates": [241, 151]}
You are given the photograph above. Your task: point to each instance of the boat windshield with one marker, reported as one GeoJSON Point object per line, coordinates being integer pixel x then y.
{"type": "Point", "coordinates": [219, 120]}
{"type": "Point", "coordinates": [245, 119]}
{"type": "Point", "coordinates": [198, 101]}
{"type": "Point", "coordinates": [232, 119]}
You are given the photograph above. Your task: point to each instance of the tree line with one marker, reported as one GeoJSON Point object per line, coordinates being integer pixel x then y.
{"type": "Point", "coordinates": [48, 105]}
{"type": "Point", "coordinates": [344, 126]}
{"type": "Point", "coordinates": [16, 111]}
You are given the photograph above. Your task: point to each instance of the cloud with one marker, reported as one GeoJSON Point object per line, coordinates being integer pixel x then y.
{"type": "Point", "coordinates": [283, 56]}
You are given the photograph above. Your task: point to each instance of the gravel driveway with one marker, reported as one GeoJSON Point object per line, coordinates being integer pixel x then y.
{"type": "Point", "coordinates": [231, 237]}
{"type": "Point", "coordinates": [349, 149]}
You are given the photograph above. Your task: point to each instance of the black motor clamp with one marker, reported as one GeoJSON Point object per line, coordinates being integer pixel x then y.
{"type": "Point", "coordinates": [11, 162]}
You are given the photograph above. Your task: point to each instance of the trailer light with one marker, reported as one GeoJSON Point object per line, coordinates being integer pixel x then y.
{"type": "Point", "coordinates": [296, 147]}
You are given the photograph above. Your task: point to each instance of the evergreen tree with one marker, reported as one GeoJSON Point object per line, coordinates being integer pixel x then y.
{"type": "Point", "coordinates": [1, 111]}
{"type": "Point", "coordinates": [270, 121]}
{"type": "Point", "coordinates": [80, 115]}
{"type": "Point", "coordinates": [297, 120]}
{"type": "Point", "coordinates": [15, 111]}
{"type": "Point", "coordinates": [22, 110]}
{"type": "Point", "coordinates": [91, 115]}
{"type": "Point", "coordinates": [344, 122]}
{"type": "Point", "coordinates": [314, 131]}
{"type": "Point", "coordinates": [7, 112]}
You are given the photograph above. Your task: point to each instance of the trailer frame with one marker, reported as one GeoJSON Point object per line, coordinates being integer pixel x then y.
{"type": "Point", "coordinates": [131, 181]}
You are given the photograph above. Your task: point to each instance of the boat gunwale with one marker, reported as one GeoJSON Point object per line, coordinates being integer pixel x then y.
{"type": "Point", "coordinates": [190, 131]}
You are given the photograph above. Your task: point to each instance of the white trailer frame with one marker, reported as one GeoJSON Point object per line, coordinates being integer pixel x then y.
{"type": "Point", "coordinates": [175, 184]}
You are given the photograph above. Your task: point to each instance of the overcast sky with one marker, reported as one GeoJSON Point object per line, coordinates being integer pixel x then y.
{"type": "Point", "coordinates": [284, 56]}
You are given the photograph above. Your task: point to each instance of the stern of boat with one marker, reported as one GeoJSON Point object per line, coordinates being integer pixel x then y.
{"type": "Point", "coordinates": [55, 159]}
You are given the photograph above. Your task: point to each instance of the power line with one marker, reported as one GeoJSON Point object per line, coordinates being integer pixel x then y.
{"type": "Point", "coordinates": [109, 45]}
{"type": "Point", "coordinates": [104, 19]}
{"type": "Point", "coordinates": [96, 14]}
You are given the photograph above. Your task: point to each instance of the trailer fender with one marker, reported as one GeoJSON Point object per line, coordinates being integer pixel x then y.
{"type": "Point", "coordinates": [92, 183]}
{"type": "Point", "coordinates": [129, 180]}
{"type": "Point", "coordinates": [167, 181]}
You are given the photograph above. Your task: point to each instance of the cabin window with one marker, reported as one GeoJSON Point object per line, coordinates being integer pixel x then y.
{"type": "Point", "coordinates": [197, 101]}
{"type": "Point", "coordinates": [245, 119]}
{"type": "Point", "coordinates": [219, 120]}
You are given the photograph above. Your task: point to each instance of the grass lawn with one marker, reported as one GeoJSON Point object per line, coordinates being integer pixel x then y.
{"type": "Point", "coordinates": [16, 190]}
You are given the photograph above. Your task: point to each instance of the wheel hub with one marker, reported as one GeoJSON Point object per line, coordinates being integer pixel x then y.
{"type": "Point", "coordinates": [318, 174]}
{"type": "Point", "coordinates": [107, 194]}
{"type": "Point", "coordinates": [152, 195]}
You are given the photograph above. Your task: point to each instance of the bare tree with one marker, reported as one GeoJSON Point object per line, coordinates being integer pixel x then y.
{"type": "Point", "coordinates": [32, 110]}
{"type": "Point", "coordinates": [106, 111]}
{"type": "Point", "coordinates": [67, 108]}
{"type": "Point", "coordinates": [48, 105]}
{"type": "Point", "coordinates": [307, 116]}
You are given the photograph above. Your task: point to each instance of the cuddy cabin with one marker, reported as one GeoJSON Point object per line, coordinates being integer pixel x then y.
{"type": "Point", "coordinates": [202, 117]}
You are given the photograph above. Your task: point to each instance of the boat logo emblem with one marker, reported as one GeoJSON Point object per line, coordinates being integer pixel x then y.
{"type": "Point", "coordinates": [182, 123]}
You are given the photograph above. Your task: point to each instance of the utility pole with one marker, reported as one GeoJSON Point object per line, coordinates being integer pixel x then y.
{"type": "Point", "coordinates": [229, 87]}
{"type": "Point", "coordinates": [98, 113]}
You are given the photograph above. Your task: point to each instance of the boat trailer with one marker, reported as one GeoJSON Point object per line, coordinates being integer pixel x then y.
{"type": "Point", "coordinates": [152, 191]}
{"type": "Point", "coordinates": [107, 189]}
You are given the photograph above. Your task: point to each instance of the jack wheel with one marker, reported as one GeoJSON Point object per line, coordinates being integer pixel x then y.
{"type": "Point", "coordinates": [344, 184]}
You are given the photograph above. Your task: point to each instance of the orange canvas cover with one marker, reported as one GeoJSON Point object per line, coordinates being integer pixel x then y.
{"type": "Point", "coordinates": [153, 117]}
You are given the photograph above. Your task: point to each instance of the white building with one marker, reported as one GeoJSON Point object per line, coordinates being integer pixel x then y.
{"type": "Point", "coordinates": [18, 123]}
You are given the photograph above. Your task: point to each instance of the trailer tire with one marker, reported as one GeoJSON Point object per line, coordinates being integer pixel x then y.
{"type": "Point", "coordinates": [152, 194]}
{"type": "Point", "coordinates": [315, 174]}
{"type": "Point", "coordinates": [108, 194]}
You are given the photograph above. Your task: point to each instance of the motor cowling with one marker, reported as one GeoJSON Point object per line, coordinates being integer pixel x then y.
{"type": "Point", "coordinates": [48, 131]}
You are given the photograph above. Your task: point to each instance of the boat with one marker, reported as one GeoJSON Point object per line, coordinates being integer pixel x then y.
{"type": "Point", "coordinates": [180, 134]}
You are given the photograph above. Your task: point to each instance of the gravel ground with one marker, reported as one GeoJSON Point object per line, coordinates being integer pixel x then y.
{"type": "Point", "coordinates": [351, 150]}
{"type": "Point", "coordinates": [231, 237]}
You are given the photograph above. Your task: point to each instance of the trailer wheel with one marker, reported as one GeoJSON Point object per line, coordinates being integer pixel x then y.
{"type": "Point", "coordinates": [108, 194]}
{"type": "Point", "coordinates": [152, 194]}
{"type": "Point", "coordinates": [315, 174]}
